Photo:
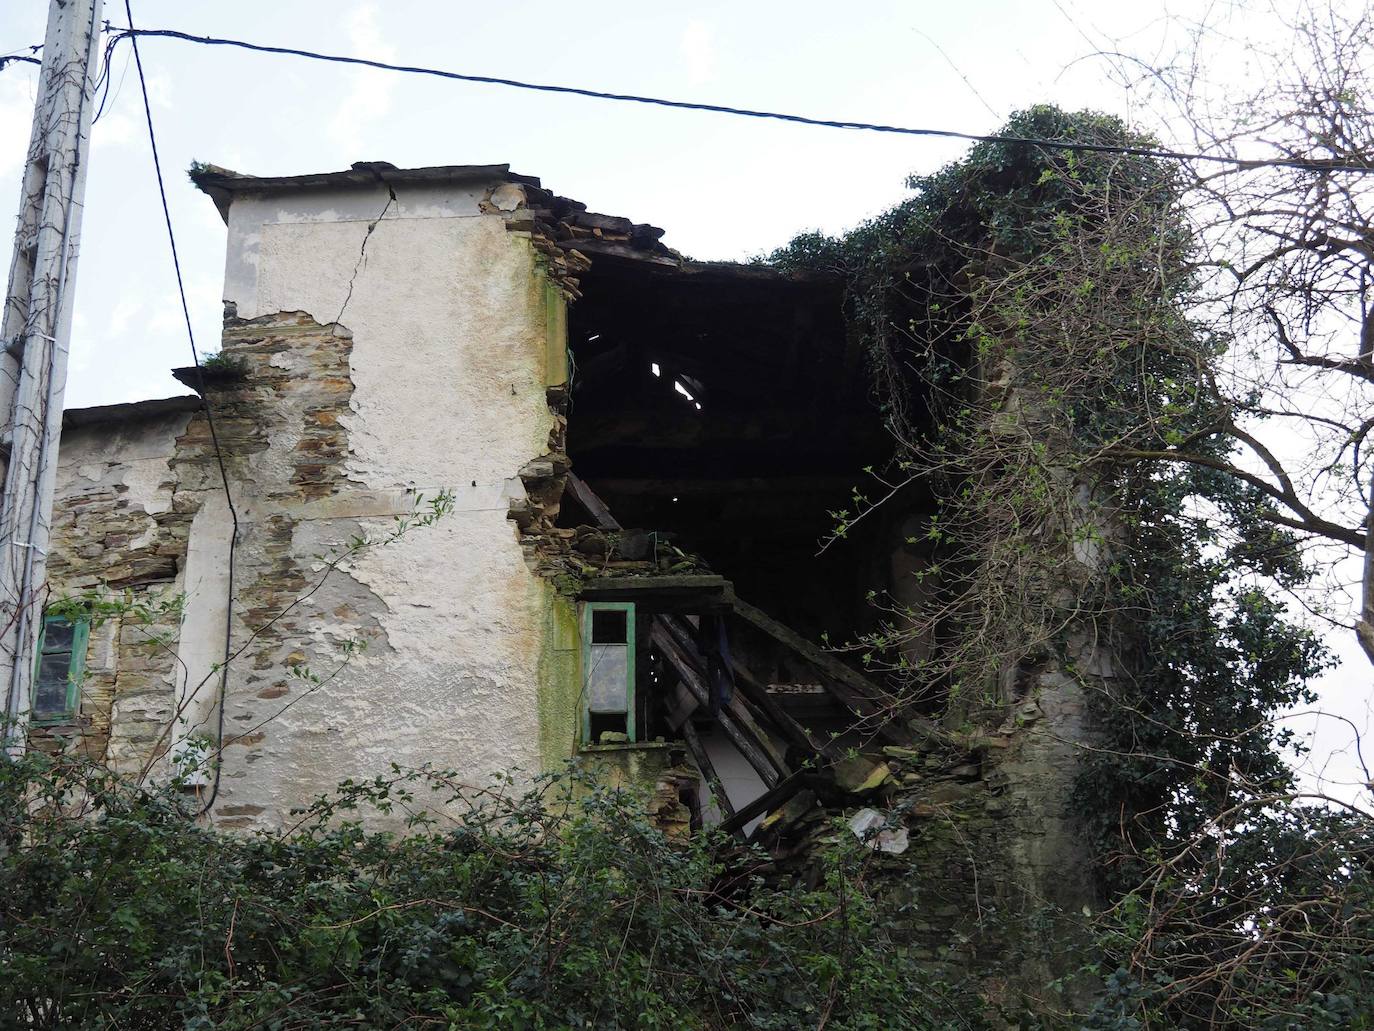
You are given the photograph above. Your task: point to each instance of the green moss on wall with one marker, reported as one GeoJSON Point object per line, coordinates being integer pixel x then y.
{"type": "Point", "coordinates": [560, 678]}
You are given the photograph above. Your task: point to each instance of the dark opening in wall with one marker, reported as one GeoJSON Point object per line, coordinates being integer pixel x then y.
{"type": "Point", "coordinates": [727, 408]}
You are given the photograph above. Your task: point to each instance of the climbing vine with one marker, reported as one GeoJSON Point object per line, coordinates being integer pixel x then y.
{"type": "Point", "coordinates": [1030, 329]}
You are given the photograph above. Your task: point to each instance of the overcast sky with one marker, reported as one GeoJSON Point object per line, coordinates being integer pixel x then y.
{"type": "Point", "coordinates": [723, 188]}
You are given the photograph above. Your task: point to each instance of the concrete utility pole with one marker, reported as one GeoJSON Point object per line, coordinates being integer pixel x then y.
{"type": "Point", "coordinates": [36, 334]}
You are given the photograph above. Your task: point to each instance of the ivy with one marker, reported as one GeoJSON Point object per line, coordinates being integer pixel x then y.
{"type": "Point", "coordinates": [1026, 318]}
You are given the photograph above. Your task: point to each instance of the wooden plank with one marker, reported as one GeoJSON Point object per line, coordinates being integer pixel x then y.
{"type": "Point", "coordinates": [870, 694]}
{"type": "Point", "coordinates": [686, 593]}
{"type": "Point", "coordinates": [586, 497]}
{"type": "Point", "coordinates": [766, 802]}
{"type": "Point", "coordinates": [751, 751]}
{"type": "Point", "coordinates": [737, 705]}
{"type": "Point", "coordinates": [852, 689]}
{"type": "Point", "coordinates": [708, 769]}
{"type": "Point", "coordinates": [657, 582]}
{"type": "Point", "coordinates": [784, 720]}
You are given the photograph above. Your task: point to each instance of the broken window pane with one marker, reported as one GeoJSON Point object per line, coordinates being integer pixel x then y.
{"type": "Point", "coordinates": [50, 691]}
{"type": "Point", "coordinates": [609, 626]}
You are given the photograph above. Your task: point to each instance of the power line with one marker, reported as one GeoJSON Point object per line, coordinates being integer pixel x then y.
{"type": "Point", "coordinates": [205, 401]}
{"type": "Point", "coordinates": [1301, 164]}
{"type": "Point", "coordinates": [18, 55]}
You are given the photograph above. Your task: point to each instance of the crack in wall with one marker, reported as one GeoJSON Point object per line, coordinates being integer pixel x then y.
{"type": "Point", "coordinates": [361, 263]}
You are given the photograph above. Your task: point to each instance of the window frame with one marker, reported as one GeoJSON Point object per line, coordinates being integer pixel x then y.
{"type": "Point", "coordinates": [76, 670]}
{"type": "Point", "coordinates": [589, 608]}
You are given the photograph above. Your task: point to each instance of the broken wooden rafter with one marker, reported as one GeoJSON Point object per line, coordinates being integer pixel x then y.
{"type": "Point", "coordinates": [786, 723]}
{"type": "Point", "coordinates": [737, 706]}
{"type": "Point", "coordinates": [766, 802]}
{"type": "Point", "coordinates": [743, 740]}
{"type": "Point", "coordinates": [852, 689]}
{"type": "Point", "coordinates": [595, 507]}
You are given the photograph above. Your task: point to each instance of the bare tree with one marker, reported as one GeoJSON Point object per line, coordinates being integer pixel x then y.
{"type": "Point", "coordinates": [1286, 272]}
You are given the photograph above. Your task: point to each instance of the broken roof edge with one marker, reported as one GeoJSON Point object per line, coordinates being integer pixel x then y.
{"type": "Point", "coordinates": [758, 271]}
{"type": "Point", "coordinates": [599, 237]}
{"type": "Point", "coordinates": [220, 184]}
{"type": "Point", "coordinates": [149, 409]}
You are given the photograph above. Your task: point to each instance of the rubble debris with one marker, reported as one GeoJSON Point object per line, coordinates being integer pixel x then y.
{"type": "Point", "coordinates": [872, 828]}
{"type": "Point", "coordinates": [858, 776]}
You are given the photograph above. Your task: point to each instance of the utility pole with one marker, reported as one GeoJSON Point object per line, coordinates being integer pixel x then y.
{"type": "Point", "coordinates": [36, 335]}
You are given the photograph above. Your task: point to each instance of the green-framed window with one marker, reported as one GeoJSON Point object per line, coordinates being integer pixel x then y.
{"type": "Point", "coordinates": [59, 670]}
{"type": "Point", "coordinates": [608, 670]}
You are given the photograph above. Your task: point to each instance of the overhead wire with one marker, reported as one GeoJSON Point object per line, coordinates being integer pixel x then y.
{"type": "Point", "coordinates": [1301, 164]}
{"type": "Point", "coordinates": [106, 79]}
{"type": "Point", "coordinates": [209, 417]}
{"type": "Point", "coordinates": [17, 55]}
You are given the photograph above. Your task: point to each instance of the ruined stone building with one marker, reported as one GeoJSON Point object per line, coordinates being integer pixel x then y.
{"type": "Point", "coordinates": [610, 466]}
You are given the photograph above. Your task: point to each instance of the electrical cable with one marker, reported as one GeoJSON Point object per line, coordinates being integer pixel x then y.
{"type": "Point", "coordinates": [107, 79]}
{"type": "Point", "coordinates": [18, 54]}
{"type": "Point", "coordinates": [209, 417]}
{"type": "Point", "coordinates": [1301, 164]}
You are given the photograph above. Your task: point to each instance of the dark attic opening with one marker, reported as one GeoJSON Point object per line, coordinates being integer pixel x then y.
{"type": "Point", "coordinates": [724, 412]}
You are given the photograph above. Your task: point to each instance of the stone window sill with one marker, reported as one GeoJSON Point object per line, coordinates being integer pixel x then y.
{"type": "Point", "coordinates": [631, 746]}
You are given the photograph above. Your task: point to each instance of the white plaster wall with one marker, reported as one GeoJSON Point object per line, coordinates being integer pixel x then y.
{"type": "Point", "coordinates": [447, 347]}
{"type": "Point", "coordinates": [448, 357]}
{"type": "Point", "coordinates": [454, 685]}
{"type": "Point", "coordinates": [251, 212]}
{"type": "Point", "coordinates": [134, 453]}
{"type": "Point", "coordinates": [201, 645]}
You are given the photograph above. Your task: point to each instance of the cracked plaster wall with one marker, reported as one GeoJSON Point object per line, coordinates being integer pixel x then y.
{"type": "Point", "coordinates": [433, 379]}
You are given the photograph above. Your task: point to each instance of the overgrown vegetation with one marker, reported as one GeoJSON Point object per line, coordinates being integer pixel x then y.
{"type": "Point", "coordinates": [1030, 316]}
{"type": "Point", "coordinates": [496, 907]}
{"type": "Point", "coordinates": [223, 364]}
{"type": "Point", "coordinates": [1048, 352]}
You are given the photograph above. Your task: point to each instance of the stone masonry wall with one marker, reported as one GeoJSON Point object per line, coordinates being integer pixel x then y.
{"type": "Point", "coordinates": [119, 534]}
{"type": "Point", "coordinates": [278, 411]}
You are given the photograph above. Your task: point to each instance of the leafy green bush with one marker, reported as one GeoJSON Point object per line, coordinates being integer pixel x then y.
{"type": "Point", "coordinates": [557, 907]}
